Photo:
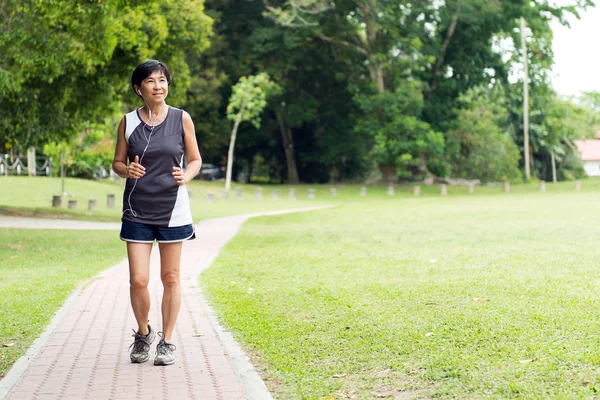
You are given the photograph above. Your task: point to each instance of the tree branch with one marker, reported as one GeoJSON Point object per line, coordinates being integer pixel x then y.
{"type": "Point", "coordinates": [449, 35]}
{"type": "Point", "coordinates": [296, 12]}
{"type": "Point", "coordinates": [440, 61]}
{"type": "Point", "coordinates": [347, 44]}
{"type": "Point", "coordinates": [371, 32]}
{"type": "Point", "coordinates": [2, 10]}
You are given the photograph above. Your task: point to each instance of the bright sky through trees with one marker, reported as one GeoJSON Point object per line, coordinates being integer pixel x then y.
{"type": "Point", "coordinates": [576, 57]}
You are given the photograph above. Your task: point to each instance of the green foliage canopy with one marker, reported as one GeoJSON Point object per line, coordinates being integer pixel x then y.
{"type": "Point", "coordinates": [477, 146]}
{"type": "Point", "coordinates": [62, 61]}
{"type": "Point", "coordinates": [249, 98]}
{"type": "Point", "coordinates": [363, 83]}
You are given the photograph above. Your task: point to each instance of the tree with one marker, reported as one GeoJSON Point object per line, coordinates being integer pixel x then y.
{"type": "Point", "coordinates": [307, 131]}
{"type": "Point", "coordinates": [565, 120]}
{"type": "Point", "coordinates": [65, 63]}
{"type": "Point", "coordinates": [476, 42]}
{"type": "Point", "coordinates": [401, 141]}
{"type": "Point", "coordinates": [247, 102]}
{"type": "Point", "coordinates": [296, 103]}
{"type": "Point", "coordinates": [381, 55]}
{"type": "Point", "coordinates": [478, 147]}
{"type": "Point", "coordinates": [385, 38]}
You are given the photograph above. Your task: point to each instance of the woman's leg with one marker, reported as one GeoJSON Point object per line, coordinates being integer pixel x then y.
{"type": "Point", "coordinates": [139, 275]}
{"type": "Point", "coordinates": [170, 259]}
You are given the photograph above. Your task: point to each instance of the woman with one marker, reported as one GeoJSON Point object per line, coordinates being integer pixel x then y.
{"type": "Point", "coordinates": [151, 144]}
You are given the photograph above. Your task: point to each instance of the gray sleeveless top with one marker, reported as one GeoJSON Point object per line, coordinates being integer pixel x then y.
{"type": "Point", "coordinates": [155, 198]}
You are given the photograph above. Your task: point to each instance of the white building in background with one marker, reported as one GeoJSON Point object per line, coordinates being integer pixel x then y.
{"type": "Point", "coordinates": [589, 152]}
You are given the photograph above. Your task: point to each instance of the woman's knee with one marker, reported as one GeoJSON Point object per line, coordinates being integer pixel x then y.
{"type": "Point", "coordinates": [170, 279]}
{"type": "Point", "coordinates": [138, 282]}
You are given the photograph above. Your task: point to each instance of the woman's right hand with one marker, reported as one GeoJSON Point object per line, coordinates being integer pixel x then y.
{"type": "Point", "coordinates": [135, 170]}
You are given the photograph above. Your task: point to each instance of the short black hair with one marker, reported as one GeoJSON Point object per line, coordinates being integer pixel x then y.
{"type": "Point", "coordinates": [146, 69]}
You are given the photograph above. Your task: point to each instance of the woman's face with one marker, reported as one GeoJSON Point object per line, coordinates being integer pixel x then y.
{"type": "Point", "coordinates": [155, 87]}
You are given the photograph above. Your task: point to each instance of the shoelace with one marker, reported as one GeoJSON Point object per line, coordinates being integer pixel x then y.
{"type": "Point", "coordinates": [163, 347]}
{"type": "Point", "coordinates": [140, 345]}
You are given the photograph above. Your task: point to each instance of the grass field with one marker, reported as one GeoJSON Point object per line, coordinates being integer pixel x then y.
{"type": "Point", "coordinates": [490, 295]}
{"type": "Point", "coordinates": [32, 196]}
{"type": "Point", "coordinates": [460, 297]}
{"type": "Point", "coordinates": [39, 269]}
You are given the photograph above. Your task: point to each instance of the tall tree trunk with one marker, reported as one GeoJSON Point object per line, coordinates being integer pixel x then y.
{"type": "Point", "coordinates": [389, 173]}
{"type": "Point", "coordinates": [553, 166]}
{"type": "Point", "coordinates": [288, 147]}
{"type": "Point", "coordinates": [376, 73]}
{"type": "Point", "coordinates": [250, 161]}
{"type": "Point", "coordinates": [440, 61]}
{"type": "Point", "coordinates": [238, 119]}
{"type": "Point", "coordinates": [525, 102]}
{"type": "Point", "coordinates": [375, 67]}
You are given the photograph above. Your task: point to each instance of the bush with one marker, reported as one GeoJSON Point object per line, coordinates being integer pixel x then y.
{"type": "Point", "coordinates": [88, 156]}
{"type": "Point", "coordinates": [477, 148]}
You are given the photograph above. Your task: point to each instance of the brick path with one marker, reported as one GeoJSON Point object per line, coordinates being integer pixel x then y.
{"type": "Point", "coordinates": [85, 355]}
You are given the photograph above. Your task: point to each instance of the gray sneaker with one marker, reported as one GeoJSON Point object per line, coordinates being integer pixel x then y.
{"type": "Point", "coordinates": [164, 353]}
{"type": "Point", "coordinates": [141, 346]}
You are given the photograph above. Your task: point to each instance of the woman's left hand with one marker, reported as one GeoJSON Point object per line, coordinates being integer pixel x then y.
{"type": "Point", "coordinates": [179, 176]}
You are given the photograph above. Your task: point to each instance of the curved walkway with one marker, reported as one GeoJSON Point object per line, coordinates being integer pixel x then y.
{"type": "Point", "coordinates": [83, 354]}
{"type": "Point", "coordinates": [42, 223]}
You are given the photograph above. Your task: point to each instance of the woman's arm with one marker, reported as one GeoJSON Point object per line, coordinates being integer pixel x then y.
{"type": "Point", "coordinates": [192, 153]}
{"type": "Point", "coordinates": [119, 165]}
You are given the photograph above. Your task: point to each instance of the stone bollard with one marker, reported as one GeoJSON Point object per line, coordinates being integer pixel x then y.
{"type": "Point", "coordinates": [224, 194]}
{"type": "Point", "coordinates": [311, 194]}
{"type": "Point", "coordinates": [210, 197]}
{"type": "Point", "coordinates": [275, 194]}
{"type": "Point", "coordinates": [417, 190]}
{"type": "Point", "coordinates": [506, 187]}
{"type": "Point", "coordinates": [390, 190]}
{"type": "Point", "coordinates": [363, 190]}
{"type": "Point", "coordinates": [258, 194]}
{"type": "Point", "coordinates": [292, 194]}
{"type": "Point", "coordinates": [333, 192]}
{"type": "Point", "coordinates": [239, 195]}
{"type": "Point", "coordinates": [56, 201]}
{"type": "Point", "coordinates": [443, 189]}
{"type": "Point", "coordinates": [577, 185]}
{"type": "Point", "coordinates": [471, 187]}
{"type": "Point", "coordinates": [110, 201]}
{"type": "Point", "coordinates": [92, 204]}
{"type": "Point", "coordinates": [72, 204]}
{"type": "Point", "coordinates": [542, 186]}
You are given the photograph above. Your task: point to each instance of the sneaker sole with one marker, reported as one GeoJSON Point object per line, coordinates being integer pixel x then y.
{"type": "Point", "coordinates": [163, 363]}
{"type": "Point", "coordinates": [139, 361]}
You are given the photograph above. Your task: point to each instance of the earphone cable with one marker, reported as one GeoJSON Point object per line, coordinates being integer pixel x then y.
{"type": "Point", "coordinates": [143, 154]}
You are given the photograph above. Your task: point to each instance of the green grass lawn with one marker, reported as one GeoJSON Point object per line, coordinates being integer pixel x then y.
{"type": "Point", "coordinates": [32, 196]}
{"type": "Point", "coordinates": [485, 296]}
{"type": "Point", "coordinates": [39, 269]}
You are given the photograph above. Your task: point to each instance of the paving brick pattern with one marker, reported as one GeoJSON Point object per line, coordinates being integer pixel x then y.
{"type": "Point", "coordinates": [87, 356]}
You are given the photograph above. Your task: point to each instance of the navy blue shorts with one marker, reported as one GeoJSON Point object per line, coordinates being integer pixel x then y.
{"type": "Point", "coordinates": [144, 233]}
